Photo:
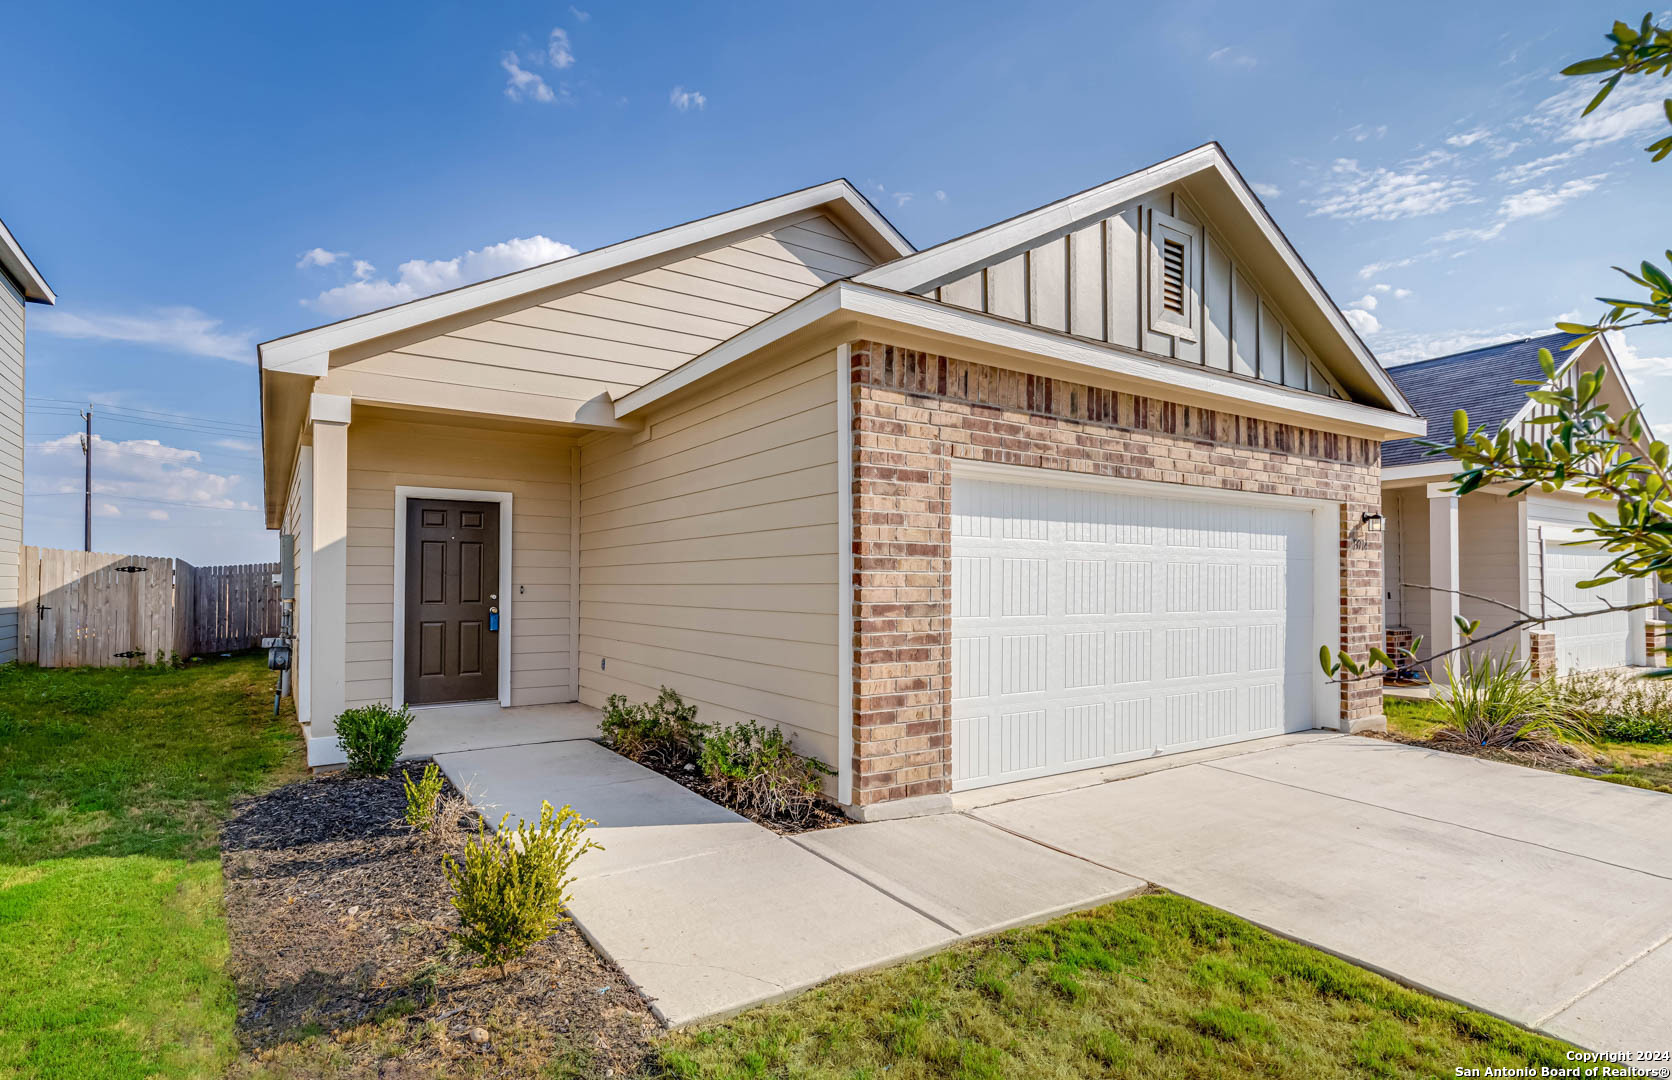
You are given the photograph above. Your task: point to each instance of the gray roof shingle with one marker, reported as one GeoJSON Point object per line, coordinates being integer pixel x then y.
{"type": "Point", "coordinates": [1481, 381]}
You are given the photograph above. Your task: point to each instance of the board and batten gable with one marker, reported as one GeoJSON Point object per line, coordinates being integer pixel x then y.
{"type": "Point", "coordinates": [547, 360]}
{"type": "Point", "coordinates": [1151, 274]}
{"type": "Point", "coordinates": [709, 552]}
{"type": "Point", "coordinates": [386, 452]}
{"type": "Point", "coordinates": [11, 460]}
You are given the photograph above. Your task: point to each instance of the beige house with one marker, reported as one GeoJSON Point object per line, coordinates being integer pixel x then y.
{"type": "Point", "coordinates": [20, 284]}
{"type": "Point", "coordinates": [1492, 554]}
{"type": "Point", "coordinates": [1084, 486]}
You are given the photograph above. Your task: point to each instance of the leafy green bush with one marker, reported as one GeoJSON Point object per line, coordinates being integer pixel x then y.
{"type": "Point", "coordinates": [511, 890]}
{"type": "Point", "coordinates": [760, 772]}
{"type": "Point", "coordinates": [1492, 704]}
{"type": "Point", "coordinates": [421, 798]}
{"type": "Point", "coordinates": [1617, 705]}
{"type": "Point", "coordinates": [372, 737]}
{"type": "Point", "coordinates": [663, 732]}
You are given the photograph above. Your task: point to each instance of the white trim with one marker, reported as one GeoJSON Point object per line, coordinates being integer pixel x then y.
{"type": "Point", "coordinates": [1164, 378]}
{"type": "Point", "coordinates": [950, 260]}
{"type": "Point", "coordinates": [18, 267]}
{"type": "Point", "coordinates": [304, 588]}
{"type": "Point", "coordinates": [575, 569]}
{"type": "Point", "coordinates": [1326, 545]}
{"type": "Point", "coordinates": [307, 352]}
{"type": "Point", "coordinates": [397, 695]}
{"type": "Point", "coordinates": [1419, 470]}
{"type": "Point", "coordinates": [844, 576]}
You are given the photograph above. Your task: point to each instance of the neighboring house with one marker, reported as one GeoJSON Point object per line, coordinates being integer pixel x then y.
{"type": "Point", "coordinates": [20, 284]}
{"type": "Point", "coordinates": [1512, 553]}
{"type": "Point", "coordinates": [1083, 486]}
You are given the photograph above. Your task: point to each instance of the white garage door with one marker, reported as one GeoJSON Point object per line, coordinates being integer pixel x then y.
{"type": "Point", "coordinates": [1091, 626]}
{"type": "Point", "coordinates": [1597, 641]}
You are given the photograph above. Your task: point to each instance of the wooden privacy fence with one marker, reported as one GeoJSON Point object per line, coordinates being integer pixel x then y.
{"type": "Point", "coordinates": [78, 608]}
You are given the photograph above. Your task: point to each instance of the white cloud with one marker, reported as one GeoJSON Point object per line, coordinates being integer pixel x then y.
{"type": "Point", "coordinates": [1400, 347]}
{"type": "Point", "coordinates": [1231, 56]}
{"type": "Point", "coordinates": [557, 49]}
{"type": "Point", "coordinates": [1266, 191]}
{"type": "Point", "coordinates": [173, 329]}
{"type": "Point", "coordinates": [1367, 302]}
{"type": "Point", "coordinates": [940, 196]}
{"type": "Point", "coordinates": [421, 277]}
{"type": "Point", "coordinates": [580, 16]}
{"type": "Point", "coordinates": [1380, 194]}
{"type": "Point", "coordinates": [157, 515]}
{"type": "Point", "coordinates": [238, 446]}
{"type": "Point", "coordinates": [363, 269]}
{"type": "Point", "coordinates": [685, 100]}
{"type": "Point", "coordinates": [1400, 294]}
{"type": "Point", "coordinates": [318, 257]}
{"type": "Point", "coordinates": [1635, 364]}
{"type": "Point", "coordinates": [1363, 321]}
{"type": "Point", "coordinates": [524, 85]}
{"type": "Point", "coordinates": [105, 509]}
{"type": "Point", "coordinates": [1370, 270]}
{"type": "Point", "coordinates": [1366, 132]}
{"type": "Point", "coordinates": [1633, 109]}
{"type": "Point", "coordinates": [1381, 288]}
{"type": "Point", "coordinates": [1467, 138]}
{"type": "Point", "coordinates": [1532, 170]}
{"type": "Point", "coordinates": [1543, 200]}
{"type": "Point", "coordinates": [141, 469]}
{"type": "Point", "coordinates": [901, 198]}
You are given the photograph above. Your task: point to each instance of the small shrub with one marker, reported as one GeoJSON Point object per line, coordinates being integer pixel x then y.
{"type": "Point", "coordinates": [422, 797]}
{"type": "Point", "coordinates": [1618, 706]}
{"type": "Point", "coordinates": [511, 890]}
{"type": "Point", "coordinates": [1493, 705]}
{"type": "Point", "coordinates": [663, 732]}
{"type": "Point", "coordinates": [372, 737]}
{"type": "Point", "coordinates": [762, 774]}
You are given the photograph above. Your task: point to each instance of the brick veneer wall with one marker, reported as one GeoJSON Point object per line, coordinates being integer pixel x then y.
{"type": "Point", "coordinates": [915, 413]}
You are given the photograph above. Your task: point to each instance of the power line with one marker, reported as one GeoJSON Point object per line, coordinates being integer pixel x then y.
{"type": "Point", "coordinates": [149, 412]}
{"type": "Point", "coordinates": [162, 502]}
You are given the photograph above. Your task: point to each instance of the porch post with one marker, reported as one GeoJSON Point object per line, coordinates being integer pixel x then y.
{"type": "Point", "coordinates": [328, 609]}
{"type": "Point", "coordinates": [1443, 601]}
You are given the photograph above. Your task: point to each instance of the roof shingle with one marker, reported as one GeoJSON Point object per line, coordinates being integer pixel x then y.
{"type": "Point", "coordinates": [1481, 381]}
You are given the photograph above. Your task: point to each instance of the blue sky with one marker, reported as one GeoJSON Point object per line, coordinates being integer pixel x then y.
{"type": "Point", "coordinates": [192, 184]}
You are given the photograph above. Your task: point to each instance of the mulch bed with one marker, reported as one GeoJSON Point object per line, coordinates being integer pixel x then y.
{"type": "Point", "coordinates": [821, 814]}
{"type": "Point", "coordinates": [339, 917]}
{"type": "Point", "coordinates": [1490, 753]}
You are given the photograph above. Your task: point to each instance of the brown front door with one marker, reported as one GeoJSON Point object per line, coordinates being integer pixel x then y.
{"type": "Point", "coordinates": [452, 601]}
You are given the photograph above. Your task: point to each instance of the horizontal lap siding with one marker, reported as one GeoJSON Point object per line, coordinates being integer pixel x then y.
{"type": "Point", "coordinates": [1488, 565]}
{"type": "Point", "coordinates": [709, 554]}
{"type": "Point", "coordinates": [11, 461]}
{"type": "Point", "coordinates": [536, 470]}
{"type": "Point", "coordinates": [548, 359]}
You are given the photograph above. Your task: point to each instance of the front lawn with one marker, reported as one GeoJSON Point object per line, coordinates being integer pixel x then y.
{"type": "Point", "coordinates": [1635, 764]}
{"type": "Point", "coordinates": [113, 784]}
{"type": "Point", "coordinates": [1156, 986]}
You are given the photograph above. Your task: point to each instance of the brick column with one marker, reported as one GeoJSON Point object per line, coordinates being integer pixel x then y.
{"type": "Point", "coordinates": [1541, 654]}
{"type": "Point", "coordinates": [1361, 610]}
{"type": "Point", "coordinates": [902, 489]}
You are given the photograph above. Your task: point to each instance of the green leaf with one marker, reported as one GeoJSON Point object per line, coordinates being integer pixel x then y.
{"type": "Point", "coordinates": [1607, 87]}
{"type": "Point", "coordinates": [1594, 66]}
{"type": "Point", "coordinates": [1596, 581]}
{"type": "Point", "coordinates": [1460, 425]}
{"type": "Point", "coordinates": [1548, 361]}
{"type": "Point", "coordinates": [1324, 661]}
{"type": "Point", "coordinates": [1653, 272]}
{"type": "Point", "coordinates": [1382, 658]}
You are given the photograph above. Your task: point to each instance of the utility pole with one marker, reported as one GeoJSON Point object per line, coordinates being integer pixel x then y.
{"type": "Point", "coordinates": [87, 483]}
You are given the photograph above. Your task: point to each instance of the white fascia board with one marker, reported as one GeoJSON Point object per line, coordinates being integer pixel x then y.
{"type": "Point", "coordinates": [21, 270]}
{"type": "Point", "coordinates": [934, 265]}
{"type": "Point", "coordinates": [1438, 469]}
{"type": "Point", "coordinates": [308, 352]}
{"type": "Point", "coordinates": [1162, 378]}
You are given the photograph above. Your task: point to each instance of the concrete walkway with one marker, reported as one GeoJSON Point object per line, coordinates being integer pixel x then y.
{"type": "Point", "coordinates": [708, 913]}
{"type": "Point", "coordinates": [1545, 899]}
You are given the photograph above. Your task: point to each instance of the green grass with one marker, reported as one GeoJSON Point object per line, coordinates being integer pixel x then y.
{"type": "Point", "coordinates": [1153, 986]}
{"type": "Point", "coordinates": [1634, 764]}
{"type": "Point", "coordinates": [113, 783]}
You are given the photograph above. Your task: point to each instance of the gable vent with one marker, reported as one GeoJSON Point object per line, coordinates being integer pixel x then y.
{"type": "Point", "coordinates": [1173, 286]}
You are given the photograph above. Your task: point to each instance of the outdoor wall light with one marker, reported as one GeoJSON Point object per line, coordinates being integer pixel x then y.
{"type": "Point", "coordinates": [1371, 522]}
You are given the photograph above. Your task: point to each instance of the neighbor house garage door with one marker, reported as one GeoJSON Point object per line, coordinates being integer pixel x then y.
{"type": "Point", "coordinates": [1597, 641]}
{"type": "Point", "coordinates": [1091, 626]}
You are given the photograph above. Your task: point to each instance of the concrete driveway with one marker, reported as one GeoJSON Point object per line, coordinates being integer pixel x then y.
{"type": "Point", "coordinates": [1545, 899]}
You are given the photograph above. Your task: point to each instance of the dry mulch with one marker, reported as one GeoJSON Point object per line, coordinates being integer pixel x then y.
{"type": "Point", "coordinates": [1566, 761]}
{"type": "Point", "coordinates": [339, 918]}
{"type": "Point", "coordinates": [819, 814]}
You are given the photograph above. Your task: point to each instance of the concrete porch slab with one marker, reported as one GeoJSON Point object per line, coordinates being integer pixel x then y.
{"type": "Point", "coordinates": [643, 817]}
{"type": "Point", "coordinates": [713, 934]}
{"type": "Point", "coordinates": [1512, 927]}
{"type": "Point", "coordinates": [448, 729]}
{"type": "Point", "coordinates": [965, 874]}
